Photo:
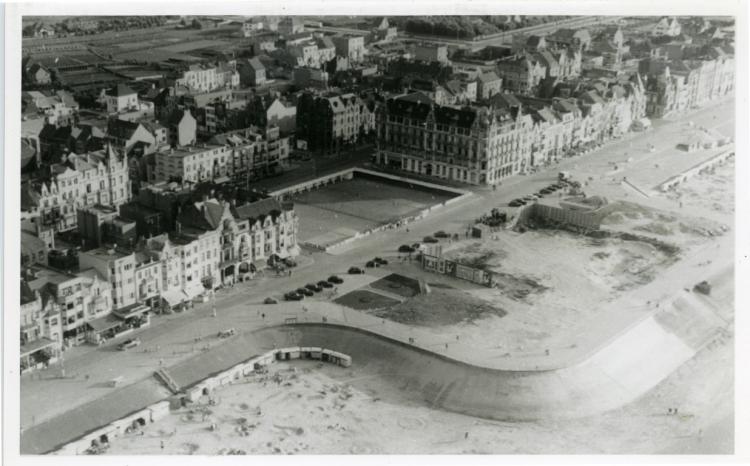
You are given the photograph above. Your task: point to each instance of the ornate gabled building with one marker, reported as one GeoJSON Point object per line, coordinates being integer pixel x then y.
{"type": "Point", "coordinates": [475, 145]}
{"type": "Point", "coordinates": [99, 177]}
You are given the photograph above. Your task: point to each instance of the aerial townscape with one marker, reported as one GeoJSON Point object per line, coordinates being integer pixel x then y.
{"type": "Point", "coordinates": [246, 235]}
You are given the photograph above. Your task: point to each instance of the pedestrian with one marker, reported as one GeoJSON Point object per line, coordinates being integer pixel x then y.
{"type": "Point", "coordinates": [161, 362]}
{"type": "Point", "coordinates": [263, 316]}
{"type": "Point", "coordinates": [446, 346]}
{"type": "Point", "coordinates": [162, 444]}
{"type": "Point", "coordinates": [466, 436]}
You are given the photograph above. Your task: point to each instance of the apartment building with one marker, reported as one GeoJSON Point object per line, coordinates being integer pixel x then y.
{"type": "Point", "coordinates": [328, 121]}
{"type": "Point", "coordinates": [350, 46]}
{"type": "Point", "coordinates": [476, 145]}
{"type": "Point", "coordinates": [206, 78]}
{"type": "Point", "coordinates": [83, 180]}
{"type": "Point", "coordinates": [202, 163]}
{"type": "Point", "coordinates": [41, 329]}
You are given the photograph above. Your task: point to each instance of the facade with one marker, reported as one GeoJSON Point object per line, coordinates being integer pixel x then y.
{"type": "Point", "coordinates": [41, 329]}
{"type": "Point", "coordinates": [488, 84]}
{"type": "Point", "coordinates": [94, 178]}
{"type": "Point", "coordinates": [83, 298]}
{"type": "Point", "coordinates": [350, 46]}
{"type": "Point", "coordinates": [520, 74]}
{"type": "Point", "coordinates": [117, 266]}
{"type": "Point", "coordinates": [121, 98]}
{"type": "Point", "coordinates": [252, 72]}
{"type": "Point", "coordinates": [327, 122]}
{"type": "Point", "coordinates": [206, 78]}
{"type": "Point", "coordinates": [283, 115]}
{"type": "Point", "coordinates": [667, 27]}
{"type": "Point", "coordinates": [207, 162]}
{"type": "Point", "coordinates": [431, 53]}
{"type": "Point", "coordinates": [473, 145]}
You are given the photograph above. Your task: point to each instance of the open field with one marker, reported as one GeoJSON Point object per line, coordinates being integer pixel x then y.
{"type": "Point", "coordinates": [356, 205]}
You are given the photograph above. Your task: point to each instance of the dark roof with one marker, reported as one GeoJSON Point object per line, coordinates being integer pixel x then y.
{"type": "Point", "coordinates": [455, 117]}
{"type": "Point", "coordinates": [257, 210]}
{"type": "Point", "coordinates": [27, 294]}
{"type": "Point", "coordinates": [408, 108]}
{"type": "Point", "coordinates": [202, 215]}
{"type": "Point", "coordinates": [120, 90]}
{"type": "Point", "coordinates": [563, 35]}
{"type": "Point", "coordinates": [325, 42]}
{"type": "Point", "coordinates": [256, 64]}
{"type": "Point", "coordinates": [121, 129]}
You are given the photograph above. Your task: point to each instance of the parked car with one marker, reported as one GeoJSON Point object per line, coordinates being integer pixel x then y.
{"type": "Point", "coordinates": [304, 291]}
{"type": "Point", "coordinates": [289, 262]}
{"type": "Point", "coordinates": [128, 344]}
{"type": "Point", "coordinates": [540, 194]}
{"type": "Point", "coordinates": [336, 279]}
{"type": "Point", "coordinates": [380, 260]}
{"type": "Point", "coordinates": [355, 270]}
{"type": "Point", "coordinates": [430, 239]}
{"type": "Point", "coordinates": [441, 234]}
{"type": "Point", "coordinates": [227, 333]}
{"type": "Point", "coordinates": [530, 198]}
{"type": "Point", "coordinates": [517, 203]}
{"type": "Point", "coordinates": [293, 296]}
{"type": "Point", "coordinates": [325, 284]}
{"type": "Point", "coordinates": [371, 264]}
{"type": "Point", "coordinates": [313, 287]}
{"type": "Point", "coordinates": [270, 300]}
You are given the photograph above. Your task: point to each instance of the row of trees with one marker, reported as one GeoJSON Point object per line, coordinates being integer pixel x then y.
{"type": "Point", "coordinates": [469, 27]}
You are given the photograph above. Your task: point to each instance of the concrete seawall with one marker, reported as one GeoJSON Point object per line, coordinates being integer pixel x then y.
{"type": "Point", "coordinates": [626, 368]}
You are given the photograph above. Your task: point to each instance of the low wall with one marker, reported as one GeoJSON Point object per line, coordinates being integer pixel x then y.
{"type": "Point", "coordinates": [674, 181]}
{"type": "Point", "coordinates": [161, 409]}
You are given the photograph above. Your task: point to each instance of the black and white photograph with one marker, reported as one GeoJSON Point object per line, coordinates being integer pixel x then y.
{"type": "Point", "coordinates": [246, 229]}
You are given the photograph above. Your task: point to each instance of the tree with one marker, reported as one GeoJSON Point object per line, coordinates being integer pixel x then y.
{"type": "Point", "coordinates": [195, 24]}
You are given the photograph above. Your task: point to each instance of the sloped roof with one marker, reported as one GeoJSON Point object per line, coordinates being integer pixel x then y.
{"type": "Point", "coordinates": [202, 215]}
{"type": "Point", "coordinates": [257, 210]}
{"type": "Point", "coordinates": [412, 108]}
{"type": "Point", "coordinates": [121, 129]}
{"type": "Point", "coordinates": [121, 90]}
{"type": "Point", "coordinates": [488, 77]}
{"type": "Point", "coordinates": [256, 64]}
{"type": "Point", "coordinates": [455, 117]}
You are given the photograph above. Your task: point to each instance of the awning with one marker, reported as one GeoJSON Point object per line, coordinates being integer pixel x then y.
{"type": "Point", "coordinates": [104, 323]}
{"type": "Point", "coordinates": [173, 298]}
{"type": "Point", "coordinates": [35, 346]}
{"type": "Point", "coordinates": [132, 310]}
{"type": "Point", "coordinates": [191, 292]}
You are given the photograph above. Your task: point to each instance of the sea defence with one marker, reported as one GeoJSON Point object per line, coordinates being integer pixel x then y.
{"type": "Point", "coordinates": [626, 368]}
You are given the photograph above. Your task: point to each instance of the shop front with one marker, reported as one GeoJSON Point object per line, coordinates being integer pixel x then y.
{"type": "Point", "coordinates": [135, 316]}
{"type": "Point", "coordinates": [106, 328]}
{"type": "Point", "coordinates": [38, 354]}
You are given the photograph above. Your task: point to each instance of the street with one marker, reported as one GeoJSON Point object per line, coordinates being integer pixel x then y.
{"type": "Point", "coordinates": [172, 338]}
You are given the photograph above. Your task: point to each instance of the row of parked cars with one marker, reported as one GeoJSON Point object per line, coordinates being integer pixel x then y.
{"type": "Point", "coordinates": [539, 194]}
{"type": "Point", "coordinates": [311, 288]}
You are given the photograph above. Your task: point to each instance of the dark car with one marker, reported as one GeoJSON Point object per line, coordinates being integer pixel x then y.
{"type": "Point", "coordinates": [371, 264]}
{"type": "Point", "coordinates": [517, 203]}
{"type": "Point", "coordinates": [380, 260]}
{"type": "Point", "coordinates": [304, 291]}
{"type": "Point", "coordinates": [270, 300]}
{"type": "Point", "coordinates": [289, 262]}
{"type": "Point", "coordinates": [313, 287]}
{"type": "Point", "coordinates": [128, 344]}
{"type": "Point", "coordinates": [541, 193]}
{"type": "Point", "coordinates": [325, 284]}
{"type": "Point", "coordinates": [336, 279]}
{"type": "Point", "coordinates": [293, 296]}
{"type": "Point", "coordinates": [355, 270]}
{"type": "Point", "coordinates": [430, 239]}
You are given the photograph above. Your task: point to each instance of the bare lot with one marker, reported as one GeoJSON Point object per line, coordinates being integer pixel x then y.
{"type": "Point", "coordinates": [356, 205]}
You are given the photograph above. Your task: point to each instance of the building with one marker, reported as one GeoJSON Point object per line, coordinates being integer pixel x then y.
{"type": "Point", "coordinates": [117, 266]}
{"type": "Point", "coordinates": [431, 53]}
{"type": "Point", "coordinates": [350, 46]}
{"type": "Point", "coordinates": [99, 225]}
{"type": "Point", "coordinates": [121, 98]}
{"type": "Point", "coordinates": [125, 136]}
{"type": "Point", "coordinates": [206, 78]}
{"type": "Point", "coordinates": [38, 75]}
{"type": "Point", "coordinates": [252, 72]}
{"type": "Point", "coordinates": [304, 77]}
{"type": "Point", "coordinates": [41, 329]}
{"type": "Point", "coordinates": [327, 122]}
{"type": "Point", "coordinates": [182, 129]}
{"type": "Point", "coordinates": [667, 27]}
{"type": "Point", "coordinates": [520, 73]}
{"type": "Point", "coordinates": [56, 141]}
{"type": "Point", "coordinates": [282, 114]}
{"type": "Point", "coordinates": [579, 39]}
{"type": "Point", "coordinates": [207, 162]}
{"type": "Point", "coordinates": [290, 25]}
{"type": "Point", "coordinates": [475, 145]}
{"type": "Point", "coordinates": [83, 299]}
{"type": "Point", "coordinates": [255, 152]}
{"type": "Point", "coordinates": [488, 84]}
{"type": "Point", "coordinates": [94, 178]}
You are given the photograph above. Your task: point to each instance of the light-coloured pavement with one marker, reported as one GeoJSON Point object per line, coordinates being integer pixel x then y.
{"type": "Point", "coordinates": [171, 339]}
